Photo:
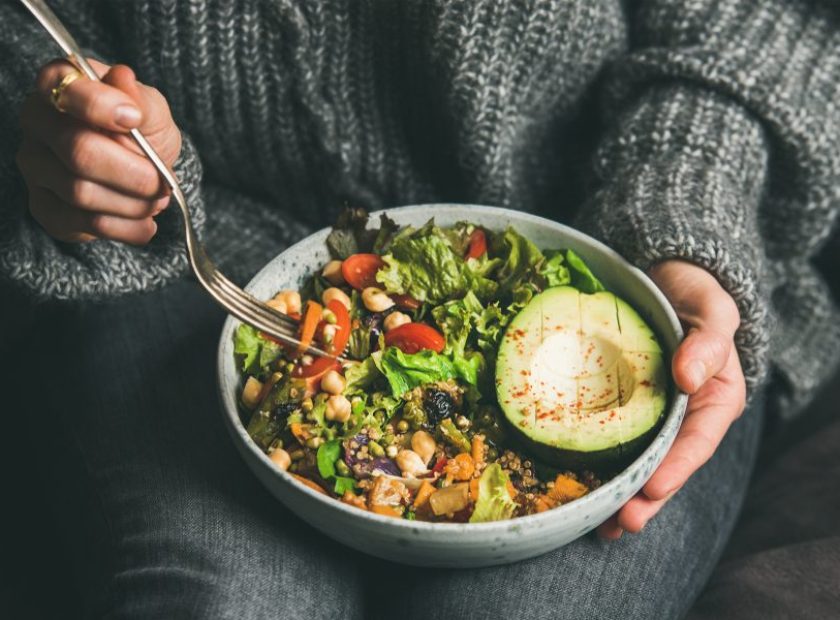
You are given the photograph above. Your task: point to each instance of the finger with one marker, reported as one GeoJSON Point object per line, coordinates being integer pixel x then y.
{"type": "Point", "coordinates": [157, 124]}
{"type": "Point", "coordinates": [701, 355]}
{"type": "Point", "coordinates": [67, 223]}
{"type": "Point", "coordinates": [41, 167]}
{"type": "Point", "coordinates": [95, 103]}
{"type": "Point", "coordinates": [94, 156]}
{"type": "Point", "coordinates": [609, 529]}
{"type": "Point", "coordinates": [711, 412]}
{"type": "Point", "coordinates": [636, 513]}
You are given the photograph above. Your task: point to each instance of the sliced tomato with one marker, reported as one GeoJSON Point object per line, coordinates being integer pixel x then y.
{"type": "Point", "coordinates": [359, 270]}
{"type": "Point", "coordinates": [406, 302]}
{"type": "Point", "coordinates": [478, 244]}
{"type": "Point", "coordinates": [342, 335]}
{"type": "Point", "coordinates": [311, 318]}
{"type": "Point", "coordinates": [414, 337]}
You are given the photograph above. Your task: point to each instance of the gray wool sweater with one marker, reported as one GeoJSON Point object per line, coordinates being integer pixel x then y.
{"type": "Point", "coordinates": [707, 130]}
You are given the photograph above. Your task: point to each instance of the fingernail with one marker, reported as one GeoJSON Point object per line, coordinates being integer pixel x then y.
{"type": "Point", "coordinates": [127, 115]}
{"type": "Point", "coordinates": [696, 373]}
{"type": "Point", "coordinates": [161, 204]}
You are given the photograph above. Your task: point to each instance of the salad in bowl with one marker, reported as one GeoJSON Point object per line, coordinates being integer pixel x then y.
{"type": "Point", "coordinates": [479, 378]}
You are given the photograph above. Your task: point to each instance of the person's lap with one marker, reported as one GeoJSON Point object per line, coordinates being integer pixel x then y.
{"type": "Point", "coordinates": [168, 521]}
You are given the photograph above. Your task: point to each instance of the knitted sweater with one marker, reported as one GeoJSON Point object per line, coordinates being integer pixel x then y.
{"type": "Point", "coordinates": [707, 130]}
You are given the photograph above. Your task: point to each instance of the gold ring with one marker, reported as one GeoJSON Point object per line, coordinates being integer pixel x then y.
{"type": "Point", "coordinates": [55, 94]}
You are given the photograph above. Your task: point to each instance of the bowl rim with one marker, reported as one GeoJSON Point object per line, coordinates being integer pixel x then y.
{"type": "Point", "coordinates": [666, 434]}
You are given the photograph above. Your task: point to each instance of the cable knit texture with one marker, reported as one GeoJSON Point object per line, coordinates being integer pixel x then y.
{"type": "Point", "coordinates": [706, 130]}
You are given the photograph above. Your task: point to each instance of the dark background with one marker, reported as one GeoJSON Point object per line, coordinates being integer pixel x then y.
{"type": "Point", "coordinates": [36, 579]}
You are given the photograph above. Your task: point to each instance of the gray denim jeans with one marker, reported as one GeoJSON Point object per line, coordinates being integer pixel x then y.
{"type": "Point", "coordinates": [165, 521]}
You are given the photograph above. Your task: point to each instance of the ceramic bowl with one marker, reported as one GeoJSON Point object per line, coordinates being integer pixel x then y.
{"type": "Point", "coordinates": [459, 544]}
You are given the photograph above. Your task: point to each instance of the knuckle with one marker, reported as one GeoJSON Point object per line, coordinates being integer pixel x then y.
{"type": "Point", "coordinates": [703, 451]}
{"type": "Point", "coordinates": [82, 192]}
{"type": "Point", "coordinates": [146, 180]}
{"type": "Point", "coordinates": [82, 153]}
{"type": "Point", "coordinates": [48, 74]}
{"type": "Point", "coordinates": [100, 224]}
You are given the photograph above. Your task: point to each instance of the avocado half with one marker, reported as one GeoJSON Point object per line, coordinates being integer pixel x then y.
{"type": "Point", "coordinates": [581, 379]}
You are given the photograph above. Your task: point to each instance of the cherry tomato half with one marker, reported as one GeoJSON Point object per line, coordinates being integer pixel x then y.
{"type": "Point", "coordinates": [478, 244]}
{"type": "Point", "coordinates": [414, 337]}
{"type": "Point", "coordinates": [359, 270]}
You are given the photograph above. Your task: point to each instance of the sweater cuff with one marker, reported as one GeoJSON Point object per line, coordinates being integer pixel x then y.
{"type": "Point", "coordinates": [45, 269]}
{"type": "Point", "coordinates": [680, 177]}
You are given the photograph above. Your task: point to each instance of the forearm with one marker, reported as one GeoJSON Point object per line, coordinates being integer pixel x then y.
{"type": "Point", "coordinates": [31, 260]}
{"type": "Point", "coordinates": [714, 155]}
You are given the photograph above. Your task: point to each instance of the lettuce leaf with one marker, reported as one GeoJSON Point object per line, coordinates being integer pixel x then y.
{"type": "Point", "coordinates": [247, 345]}
{"type": "Point", "coordinates": [350, 234]}
{"type": "Point", "coordinates": [469, 366]}
{"type": "Point", "coordinates": [328, 453]}
{"type": "Point", "coordinates": [423, 264]}
{"type": "Point", "coordinates": [344, 483]}
{"type": "Point", "coordinates": [519, 259]}
{"type": "Point", "coordinates": [494, 502]}
{"type": "Point", "coordinates": [456, 320]}
{"type": "Point", "coordinates": [554, 269]}
{"type": "Point", "coordinates": [361, 376]}
{"type": "Point", "coordinates": [581, 277]}
{"type": "Point", "coordinates": [406, 371]}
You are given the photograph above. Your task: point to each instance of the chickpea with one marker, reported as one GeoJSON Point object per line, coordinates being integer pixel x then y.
{"type": "Point", "coordinates": [410, 463]}
{"type": "Point", "coordinates": [286, 301]}
{"type": "Point", "coordinates": [391, 451]}
{"type": "Point", "coordinates": [336, 293]}
{"type": "Point", "coordinates": [332, 382]}
{"type": "Point", "coordinates": [395, 319]}
{"type": "Point", "coordinates": [329, 333]}
{"type": "Point", "coordinates": [332, 272]}
{"type": "Point", "coordinates": [314, 442]}
{"type": "Point", "coordinates": [251, 392]}
{"type": "Point", "coordinates": [278, 305]}
{"type": "Point", "coordinates": [338, 408]}
{"type": "Point", "coordinates": [376, 300]}
{"type": "Point", "coordinates": [280, 458]}
{"type": "Point", "coordinates": [424, 445]}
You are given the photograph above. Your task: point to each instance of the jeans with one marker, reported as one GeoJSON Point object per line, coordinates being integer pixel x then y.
{"type": "Point", "coordinates": [165, 521]}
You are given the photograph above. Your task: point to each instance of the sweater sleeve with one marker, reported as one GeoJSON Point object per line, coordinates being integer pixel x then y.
{"type": "Point", "coordinates": [31, 261]}
{"type": "Point", "coordinates": [723, 144]}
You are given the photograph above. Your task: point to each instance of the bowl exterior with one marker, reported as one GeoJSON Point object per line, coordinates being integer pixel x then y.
{"type": "Point", "coordinates": [447, 544]}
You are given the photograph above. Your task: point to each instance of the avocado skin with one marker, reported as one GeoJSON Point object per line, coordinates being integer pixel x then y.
{"type": "Point", "coordinates": [607, 461]}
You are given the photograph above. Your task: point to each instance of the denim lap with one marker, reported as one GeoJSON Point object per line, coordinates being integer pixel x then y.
{"type": "Point", "coordinates": [182, 529]}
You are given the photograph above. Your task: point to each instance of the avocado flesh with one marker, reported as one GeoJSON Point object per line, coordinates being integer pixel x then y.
{"type": "Point", "coordinates": [581, 379]}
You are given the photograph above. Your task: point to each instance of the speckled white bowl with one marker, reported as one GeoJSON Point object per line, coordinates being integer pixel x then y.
{"type": "Point", "coordinates": [456, 544]}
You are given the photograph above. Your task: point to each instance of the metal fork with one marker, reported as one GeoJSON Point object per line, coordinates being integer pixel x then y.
{"type": "Point", "coordinates": [237, 302]}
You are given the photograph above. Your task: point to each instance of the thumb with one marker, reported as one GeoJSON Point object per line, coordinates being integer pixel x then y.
{"type": "Point", "coordinates": [701, 356]}
{"type": "Point", "coordinates": [122, 77]}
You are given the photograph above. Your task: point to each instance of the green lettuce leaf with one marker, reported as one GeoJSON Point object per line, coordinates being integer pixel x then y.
{"type": "Point", "coordinates": [328, 453]}
{"type": "Point", "coordinates": [456, 319]}
{"type": "Point", "coordinates": [423, 264]}
{"type": "Point", "coordinates": [350, 234]}
{"type": "Point", "coordinates": [406, 371]}
{"type": "Point", "coordinates": [494, 502]}
{"type": "Point", "coordinates": [361, 376]}
{"type": "Point", "coordinates": [519, 260]}
{"type": "Point", "coordinates": [247, 345]}
{"type": "Point", "coordinates": [581, 277]}
{"type": "Point", "coordinates": [554, 269]}
{"type": "Point", "coordinates": [468, 367]}
{"type": "Point", "coordinates": [344, 483]}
